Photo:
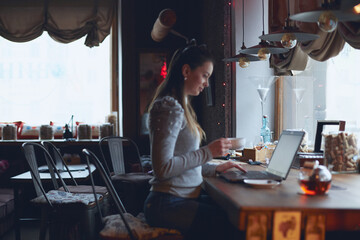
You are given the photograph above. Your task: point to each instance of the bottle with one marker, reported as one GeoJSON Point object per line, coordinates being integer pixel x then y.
{"type": "Point", "coordinates": [265, 130]}
{"type": "Point", "coordinates": [67, 133]}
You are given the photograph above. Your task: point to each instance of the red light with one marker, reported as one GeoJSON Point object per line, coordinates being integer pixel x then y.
{"type": "Point", "coordinates": [163, 71]}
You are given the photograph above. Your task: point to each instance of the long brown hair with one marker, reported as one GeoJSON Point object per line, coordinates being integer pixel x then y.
{"type": "Point", "coordinates": [173, 85]}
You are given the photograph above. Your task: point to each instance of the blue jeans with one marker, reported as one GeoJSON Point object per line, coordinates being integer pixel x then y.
{"type": "Point", "coordinates": [198, 218]}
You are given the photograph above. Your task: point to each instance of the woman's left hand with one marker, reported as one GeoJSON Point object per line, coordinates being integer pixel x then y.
{"type": "Point", "coordinates": [227, 165]}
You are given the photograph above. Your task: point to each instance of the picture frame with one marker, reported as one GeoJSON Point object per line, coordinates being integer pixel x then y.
{"type": "Point", "coordinates": [287, 225]}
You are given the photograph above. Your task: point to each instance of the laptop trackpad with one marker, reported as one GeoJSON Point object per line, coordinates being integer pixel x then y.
{"type": "Point", "coordinates": [238, 176]}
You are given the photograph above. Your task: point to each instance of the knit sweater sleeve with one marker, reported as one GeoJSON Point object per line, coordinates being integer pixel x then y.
{"type": "Point", "coordinates": [166, 121]}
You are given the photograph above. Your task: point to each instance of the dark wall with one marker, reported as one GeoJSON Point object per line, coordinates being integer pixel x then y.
{"type": "Point", "coordinates": [200, 19]}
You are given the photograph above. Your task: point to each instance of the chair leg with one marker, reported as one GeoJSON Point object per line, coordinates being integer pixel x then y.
{"type": "Point", "coordinates": [43, 224]}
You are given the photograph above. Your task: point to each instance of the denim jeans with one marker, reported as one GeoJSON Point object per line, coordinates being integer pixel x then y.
{"type": "Point", "coordinates": [198, 218]}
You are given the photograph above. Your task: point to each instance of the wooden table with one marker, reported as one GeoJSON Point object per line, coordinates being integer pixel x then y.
{"type": "Point", "coordinates": [24, 180]}
{"type": "Point", "coordinates": [341, 206]}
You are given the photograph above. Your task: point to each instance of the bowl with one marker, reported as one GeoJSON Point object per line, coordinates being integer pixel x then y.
{"type": "Point", "coordinates": [237, 143]}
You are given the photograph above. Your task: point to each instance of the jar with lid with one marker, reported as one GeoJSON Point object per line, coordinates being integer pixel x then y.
{"type": "Point", "coordinates": [84, 131]}
{"type": "Point", "coordinates": [106, 129]}
{"type": "Point", "coordinates": [341, 153]}
{"type": "Point", "coordinates": [9, 132]}
{"type": "Point", "coordinates": [46, 132]}
{"type": "Point", "coordinates": [1, 130]}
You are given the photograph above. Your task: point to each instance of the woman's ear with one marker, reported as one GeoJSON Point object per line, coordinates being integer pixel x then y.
{"type": "Point", "coordinates": [185, 70]}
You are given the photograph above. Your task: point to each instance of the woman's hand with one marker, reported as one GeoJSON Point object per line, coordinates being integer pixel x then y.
{"type": "Point", "coordinates": [220, 147]}
{"type": "Point", "coordinates": [227, 165]}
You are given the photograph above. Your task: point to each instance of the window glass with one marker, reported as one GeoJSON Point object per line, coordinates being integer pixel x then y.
{"type": "Point", "coordinates": [44, 80]}
{"type": "Point", "coordinates": [330, 92]}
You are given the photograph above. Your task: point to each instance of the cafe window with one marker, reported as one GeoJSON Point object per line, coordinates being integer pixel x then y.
{"type": "Point", "coordinates": [329, 91]}
{"type": "Point", "coordinates": [43, 80]}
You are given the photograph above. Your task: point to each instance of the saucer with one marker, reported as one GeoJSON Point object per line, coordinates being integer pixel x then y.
{"type": "Point", "coordinates": [261, 183]}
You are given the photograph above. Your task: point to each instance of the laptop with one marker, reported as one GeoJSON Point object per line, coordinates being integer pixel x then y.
{"type": "Point", "coordinates": [280, 162]}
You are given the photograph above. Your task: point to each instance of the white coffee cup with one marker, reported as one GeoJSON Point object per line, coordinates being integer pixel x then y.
{"type": "Point", "coordinates": [237, 143]}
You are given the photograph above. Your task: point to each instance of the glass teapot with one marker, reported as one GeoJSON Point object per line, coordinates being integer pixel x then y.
{"type": "Point", "coordinates": [314, 179]}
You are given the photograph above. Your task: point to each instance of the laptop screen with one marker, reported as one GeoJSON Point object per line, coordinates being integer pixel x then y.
{"type": "Point", "coordinates": [285, 153]}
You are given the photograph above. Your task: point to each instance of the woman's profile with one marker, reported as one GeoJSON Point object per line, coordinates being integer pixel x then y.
{"type": "Point", "coordinates": [176, 199]}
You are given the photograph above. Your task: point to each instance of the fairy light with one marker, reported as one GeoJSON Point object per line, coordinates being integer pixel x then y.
{"type": "Point", "coordinates": [227, 65]}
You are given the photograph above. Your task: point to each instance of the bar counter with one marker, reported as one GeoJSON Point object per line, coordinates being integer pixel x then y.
{"type": "Point", "coordinates": [340, 206]}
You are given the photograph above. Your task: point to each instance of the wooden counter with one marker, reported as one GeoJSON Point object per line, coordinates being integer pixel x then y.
{"type": "Point", "coordinates": [341, 206]}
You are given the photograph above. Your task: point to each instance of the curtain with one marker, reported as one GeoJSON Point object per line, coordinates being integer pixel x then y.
{"type": "Point", "coordinates": [350, 32]}
{"type": "Point", "coordinates": [325, 47]}
{"type": "Point", "coordinates": [64, 20]}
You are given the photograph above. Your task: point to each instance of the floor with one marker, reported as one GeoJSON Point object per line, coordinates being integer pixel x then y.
{"type": "Point", "coordinates": [29, 231]}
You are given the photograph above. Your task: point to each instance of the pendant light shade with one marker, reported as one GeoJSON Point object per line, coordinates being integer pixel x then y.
{"type": "Point", "coordinates": [300, 36]}
{"type": "Point", "coordinates": [289, 36]}
{"type": "Point", "coordinates": [236, 58]}
{"type": "Point", "coordinates": [264, 49]}
{"type": "Point", "coordinates": [313, 16]}
{"type": "Point", "coordinates": [271, 49]}
{"type": "Point", "coordinates": [243, 59]}
{"type": "Point", "coordinates": [328, 17]}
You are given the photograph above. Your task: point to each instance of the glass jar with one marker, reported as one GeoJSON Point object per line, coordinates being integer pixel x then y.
{"type": "Point", "coordinates": [314, 179]}
{"type": "Point", "coordinates": [46, 132]}
{"type": "Point", "coordinates": [84, 131]}
{"type": "Point", "coordinates": [341, 152]}
{"type": "Point", "coordinates": [9, 132]}
{"type": "Point", "coordinates": [106, 129]}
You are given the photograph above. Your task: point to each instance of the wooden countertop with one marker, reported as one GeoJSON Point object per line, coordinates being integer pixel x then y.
{"type": "Point", "coordinates": [342, 200]}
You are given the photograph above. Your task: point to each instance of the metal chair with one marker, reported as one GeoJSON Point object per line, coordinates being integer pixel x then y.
{"type": "Point", "coordinates": [125, 171]}
{"type": "Point", "coordinates": [75, 188]}
{"type": "Point", "coordinates": [67, 215]}
{"type": "Point", "coordinates": [60, 163]}
{"type": "Point", "coordinates": [124, 225]}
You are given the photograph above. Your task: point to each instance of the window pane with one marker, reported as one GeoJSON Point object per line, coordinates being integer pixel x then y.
{"type": "Point", "coordinates": [332, 94]}
{"type": "Point", "coordinates": [43, 80]}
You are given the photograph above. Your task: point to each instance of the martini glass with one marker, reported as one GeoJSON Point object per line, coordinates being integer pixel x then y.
{"type": "Point", "coordinates": [263, 84]}
{"type": "Point", "coordinates": [299, 96]}
{"type": "Point", "coordinates": [298, 85]}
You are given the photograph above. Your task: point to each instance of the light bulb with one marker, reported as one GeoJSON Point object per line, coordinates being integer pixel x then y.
{"type": "Point", "coordinates": [244, 62]}
{"type": "Point", "coordinates": [356, 9]}
{"type": "Point", "coordinates": [288, 40]}
{"type": "Point", "coordinates": [327, 21]}
{"type": "Point", "coordinates": [263, 54]}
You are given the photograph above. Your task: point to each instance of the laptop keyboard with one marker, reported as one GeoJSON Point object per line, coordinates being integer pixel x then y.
{"type": "Point", "coordinates": [258, 175]}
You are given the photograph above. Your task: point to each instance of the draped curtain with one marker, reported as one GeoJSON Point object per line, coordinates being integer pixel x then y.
{"type": "Point", "coordinates": [64, 20]}
{"type": "Point", "coordinates": [328, 45]}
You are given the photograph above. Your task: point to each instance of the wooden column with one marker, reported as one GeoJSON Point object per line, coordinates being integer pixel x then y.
{"type": "Point", "coordinates": [279, 98]}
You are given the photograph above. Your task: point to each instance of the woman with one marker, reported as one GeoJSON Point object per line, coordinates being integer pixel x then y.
{"type": "Point", "coordinates": [178, 162]}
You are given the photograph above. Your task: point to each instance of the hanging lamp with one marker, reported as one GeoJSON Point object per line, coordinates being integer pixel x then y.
{"type": "Point", "coordinates": [264, 48]}
{"type": "Point", "coordinates": [243, 59]}
{"type": "Point", "coordinates": [289, 36]}
{"type": "Point", "coordinates": [328, 16]}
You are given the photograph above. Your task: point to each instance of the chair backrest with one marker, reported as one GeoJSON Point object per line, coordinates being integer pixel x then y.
{"type": "Point", "coordinates": [32, 153]}
{"type": "Point", "coordinates": [116, 152]}
{"type": "Point", "coordinates": [91, 157]}
{"type": "Point", "coordinates": [59, 160]}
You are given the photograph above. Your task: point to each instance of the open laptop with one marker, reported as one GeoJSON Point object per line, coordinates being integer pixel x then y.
{"type": "Point", "coordinates": [280, 162]}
